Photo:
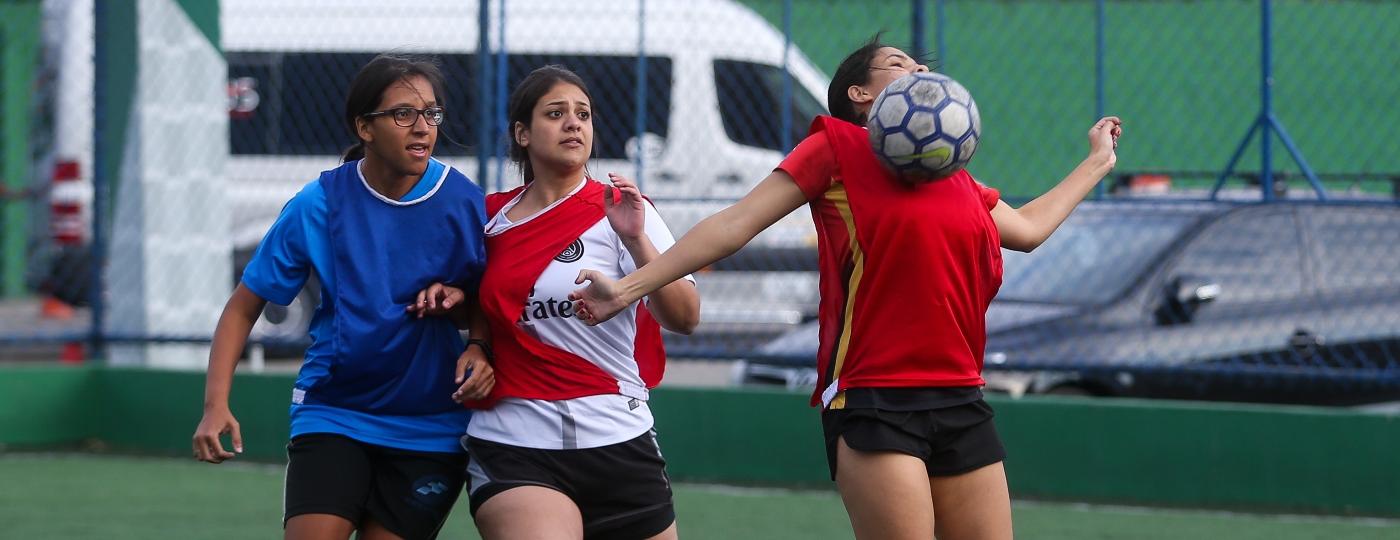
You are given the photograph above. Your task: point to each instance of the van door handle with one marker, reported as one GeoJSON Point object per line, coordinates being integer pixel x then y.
{"type": "Point", "coordinates": [729, 178]}
{"type": "Point", "coordinates": [666, 177]}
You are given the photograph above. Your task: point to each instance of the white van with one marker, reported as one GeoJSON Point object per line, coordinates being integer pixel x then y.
{"type": "Point", "coordinates": [714, 72]}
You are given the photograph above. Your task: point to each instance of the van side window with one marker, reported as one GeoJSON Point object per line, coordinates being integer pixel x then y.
{"type": "Point", "coordinates": [291, 103]}
{"type": "Point", "coordinates": [1254, 254]}
{"type": "Point", "coordinates": [749, 96]}
{"type": "Point", "coordinates": [1353, 246]}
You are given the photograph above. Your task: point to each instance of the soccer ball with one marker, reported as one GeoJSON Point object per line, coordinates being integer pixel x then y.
{"type": "Point", "coordinates": [924, 126]}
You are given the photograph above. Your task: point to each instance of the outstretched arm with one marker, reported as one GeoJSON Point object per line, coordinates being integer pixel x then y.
{"type": "Point", "coordinates": [1025, 228]}
{"type": "Point", "coordinates": [714, 238]}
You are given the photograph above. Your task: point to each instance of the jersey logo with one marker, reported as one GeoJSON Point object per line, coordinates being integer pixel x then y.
{"type": "Point", "coordinates": [572, 253]}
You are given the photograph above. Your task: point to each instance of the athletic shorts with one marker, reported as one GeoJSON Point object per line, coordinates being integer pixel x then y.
{"type": "Point", "coordinates": [950, 440]}
{"type": "Point", "coordinates": [621, 489]}
{"type": "Point", "coordinates": [408, 492]}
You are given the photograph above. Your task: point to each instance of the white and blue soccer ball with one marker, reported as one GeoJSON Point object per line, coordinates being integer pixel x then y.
{"type": "Point", "coordinates": [924, 126]}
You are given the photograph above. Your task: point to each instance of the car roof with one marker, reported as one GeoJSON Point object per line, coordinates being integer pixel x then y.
{"type": "Point", "coordinates": [532, 26]}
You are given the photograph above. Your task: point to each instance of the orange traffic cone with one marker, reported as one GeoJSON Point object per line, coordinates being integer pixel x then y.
{"type": "Point", "coordinates": [53, 308]}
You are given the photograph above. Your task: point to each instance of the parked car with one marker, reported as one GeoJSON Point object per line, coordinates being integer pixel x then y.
{"type": "Point", "coordinates": [1286, 302]}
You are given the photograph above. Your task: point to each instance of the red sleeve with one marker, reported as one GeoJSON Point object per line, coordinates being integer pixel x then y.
{"type": "Point", "coordinates": [812, 165]}
{"type": "Point", "coordinates": [990, 196]}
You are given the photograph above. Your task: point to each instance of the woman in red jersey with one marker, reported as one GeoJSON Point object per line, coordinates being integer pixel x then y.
{"type": "Point", "coordinates": [564, 445]}
{"type": "Point", "coordinates": [909, 437]}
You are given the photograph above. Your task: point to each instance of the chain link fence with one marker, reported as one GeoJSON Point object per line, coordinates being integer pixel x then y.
{"type": "Point", "coordinates": [1173, 282]}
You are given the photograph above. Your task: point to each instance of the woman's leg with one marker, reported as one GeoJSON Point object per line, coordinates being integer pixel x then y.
{"type": "Point", "coordinates": [529, 512]}
{"type": "Point", "coordinates": [886, 494]}
{"type": "Point", "coordinates": [373, 530]}
{"type": "Point", "coordinates": [974, 505]}
{"type": "Point", "coordinates": [317, 527]}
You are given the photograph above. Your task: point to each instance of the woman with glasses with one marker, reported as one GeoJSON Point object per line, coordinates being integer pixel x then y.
{"type": "Point", "coordinates": [909, 440]}
{"type": "Point", "coordinates": [563, 447]}
{"type": "Point", "coordinates": [375, 425]}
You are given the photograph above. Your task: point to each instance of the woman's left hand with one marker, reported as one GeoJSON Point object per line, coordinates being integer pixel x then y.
{"type": "Point", "coordinates": [474, 375]}
{"type": "Point", "coordinates": [1103, 139]}
{"type": "Point", "coordinates": [628, 215]}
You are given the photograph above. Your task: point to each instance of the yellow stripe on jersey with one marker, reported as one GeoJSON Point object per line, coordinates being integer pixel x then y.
{"type": "Point", "coordinates": [839, 199]}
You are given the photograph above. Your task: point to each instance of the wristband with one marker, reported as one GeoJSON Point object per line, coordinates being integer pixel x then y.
{"type": "Point", "coordinates": [485, 349]}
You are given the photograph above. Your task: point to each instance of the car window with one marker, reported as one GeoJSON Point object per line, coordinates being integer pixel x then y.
{"type": "Point", "coordinates": [291, 103]}
{"type": "Point", "coordinates": [1354, 247]}
{"type": "Point", "coordinates": [1093, 257]}
{"type": "Point", "coordinates": [1254, 254]}
{"type": "Point", "coordinates": [749, 96]}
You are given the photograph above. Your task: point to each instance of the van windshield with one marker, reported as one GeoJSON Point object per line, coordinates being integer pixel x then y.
{"type": "Point", "coordinates": [1092, 257]}
{"type": "Point", "coordinates": [749, 97]}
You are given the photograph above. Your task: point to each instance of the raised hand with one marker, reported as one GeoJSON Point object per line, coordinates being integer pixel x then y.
{"type": "Point", "coordinates": [628, 215]}
{"type": "Point", "coordinates": [436, 300]}
{"type": "Point", "coordinates": [599, 301]}
{"type": "Point", "coordinates": [1103, 139]}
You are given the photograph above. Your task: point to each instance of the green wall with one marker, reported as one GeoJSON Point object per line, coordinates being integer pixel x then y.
{"type": "Point", "coordinates": [1183, 74]}
{"type": "Point", "coordinates": [1119, 451]}
{"type": "Point", "coordinates": [19, 58]}
{"type": "Point", "coordinates": [48, 406]}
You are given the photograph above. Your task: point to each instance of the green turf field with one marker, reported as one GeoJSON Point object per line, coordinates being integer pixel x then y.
{"type": "Point", "coordinates": [71, 496]}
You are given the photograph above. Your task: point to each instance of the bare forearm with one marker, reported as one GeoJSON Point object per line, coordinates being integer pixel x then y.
{"type": "Point", "coordinates": [1051, 208]}
{"type": "Point", "coordinates": [461, 315]}
{"type": "Point", "coordinates": [1037, 220]}
{"type": "Point", "coordinates": [477, 327]}
{"type": "Point", "coordinates": [676, 305]}
{"type": "Point", "coordinates": [714, 238]}
{"type": "Point", "coordinates": [718, 236]}
{"type": "Point", "coordinates": [230, 336]}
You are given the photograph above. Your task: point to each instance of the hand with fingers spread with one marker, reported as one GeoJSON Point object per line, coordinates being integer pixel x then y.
{"type": "Point", "coordinates": [1103, 139]}
{"type": "Point", "coordinates": [216, 422]}
{"type": "Point", "coordinates": [628, 214]}
{"type": "Point", "coordinates": [436, 300]}
{"type": "Point", "coordinates": [600, 300]}
{"type": "Point", "coordinates": [474, 374]}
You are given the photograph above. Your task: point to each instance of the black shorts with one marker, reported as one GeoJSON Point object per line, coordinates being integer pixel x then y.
{"type": "Point", "coordinates": [408, 492]}
{"type": "Point", "coordinates": [621, 489]}
{"type": "Point", "coordinates": [950, 440]}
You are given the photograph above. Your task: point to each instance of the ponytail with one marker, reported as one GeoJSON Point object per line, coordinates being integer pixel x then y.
{"type": "Point", "coordinates": [354, 152]}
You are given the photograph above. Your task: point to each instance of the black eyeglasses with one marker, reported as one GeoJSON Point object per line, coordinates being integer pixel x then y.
{"type": "Point", "coordinates": [407, 116]}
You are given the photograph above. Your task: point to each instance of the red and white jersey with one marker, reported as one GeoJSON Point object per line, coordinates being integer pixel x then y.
{"type": "Point", "coordinates": [590, 421]}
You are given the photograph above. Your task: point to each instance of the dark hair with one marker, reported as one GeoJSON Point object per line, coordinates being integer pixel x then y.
{"type": "Point", "coordinates": [853, 71]}
{"type": "Point", "coordinates": [522, 104]}
{"type": "Point", "coordinates": [367, 90]}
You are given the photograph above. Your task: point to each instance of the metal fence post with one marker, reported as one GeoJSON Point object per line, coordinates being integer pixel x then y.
{"type": "Point", "coordinates": [100, 180]}
{"type": "Point", "coordinates": [1266, 121]}
{"type": "Point", "coordinates": [1099, 29]}
{"type": "Point", "coordinates": [785, 135]}
{"type": "Point", "coordinates": [483, 88]}
{"type": "Point", "coordinates": [640, 119]}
